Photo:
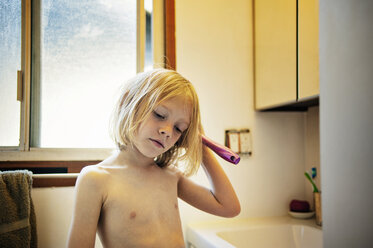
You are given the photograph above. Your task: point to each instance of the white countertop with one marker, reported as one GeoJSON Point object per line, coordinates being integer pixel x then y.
{"type": "Point", "coordinates": [205, 234]}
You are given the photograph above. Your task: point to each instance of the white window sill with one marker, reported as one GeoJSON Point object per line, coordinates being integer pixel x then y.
{"type": "Point", "coordinates": [56, 154]}
{"type": "Point", "coordinates": [57, 175]}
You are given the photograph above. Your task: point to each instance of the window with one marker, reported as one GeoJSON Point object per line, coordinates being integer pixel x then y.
{"type": "Point", "coordinates": [82, 51]}
{"type": "Point", "coordinates": [10, 62]}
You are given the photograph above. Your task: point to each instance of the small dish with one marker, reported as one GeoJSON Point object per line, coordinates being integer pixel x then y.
{"type": "Point", "coordinates": [301, 215]}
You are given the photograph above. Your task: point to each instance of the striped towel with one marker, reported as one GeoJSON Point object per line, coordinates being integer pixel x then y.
{"type": "Point", "coordinates": [17, 215]}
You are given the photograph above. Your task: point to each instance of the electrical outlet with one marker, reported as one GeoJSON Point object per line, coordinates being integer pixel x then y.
{"type": "Point", "coordinates": [239, 141]}
{"type": "Point", "coordinates": [245, 141]}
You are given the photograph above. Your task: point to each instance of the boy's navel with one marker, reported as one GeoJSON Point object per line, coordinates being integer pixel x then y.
{"type": "Point", "coordinates": [132, 215]}
{"type": "Point", "coordinates": [176, 207]}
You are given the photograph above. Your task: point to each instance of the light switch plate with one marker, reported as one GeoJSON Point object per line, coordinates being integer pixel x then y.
{"type": "Point", "coordinates": [234, 141]}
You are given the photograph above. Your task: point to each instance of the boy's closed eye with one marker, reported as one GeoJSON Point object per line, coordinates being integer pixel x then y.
{"type": "Point", "coordinates": [178, 130]}
{"type": "Point", "coordinates": [160, 116]}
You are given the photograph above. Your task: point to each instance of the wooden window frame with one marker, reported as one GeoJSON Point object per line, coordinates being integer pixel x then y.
{"type": "Point", "coordinates": [53, 181]}
{"type": "Point", "coordinates": [170, 41]}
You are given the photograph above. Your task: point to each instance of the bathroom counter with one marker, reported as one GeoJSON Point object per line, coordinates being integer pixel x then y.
{"type": "Point", "coordinates": [284, 230]}
{"type": "Point", "coordinates": [236, 222]}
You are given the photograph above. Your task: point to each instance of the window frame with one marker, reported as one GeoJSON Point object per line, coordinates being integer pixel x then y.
{"type": "Point", "coordinates": [25, 156]}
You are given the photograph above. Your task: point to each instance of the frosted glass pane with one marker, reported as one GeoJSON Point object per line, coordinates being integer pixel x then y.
{"type": "Point", "coordinates": [10, 62]}
{"type": "Point", "coordinates": [88, 49]}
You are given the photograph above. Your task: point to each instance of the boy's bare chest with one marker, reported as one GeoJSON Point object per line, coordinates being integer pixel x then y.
{"type": "Point", "coordinates": [138, 205]}
{"type": "Point", "coordinates": [142, 194]}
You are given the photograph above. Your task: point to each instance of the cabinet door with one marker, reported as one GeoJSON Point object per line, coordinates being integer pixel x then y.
{"type": "Point", "coordinates": [275, 52]}
{"type": "Point", "coordinates": [308, 38]}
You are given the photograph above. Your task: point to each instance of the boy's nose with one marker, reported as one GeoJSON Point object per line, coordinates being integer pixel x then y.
{"type": "Point", "coordinates": [166, 130]}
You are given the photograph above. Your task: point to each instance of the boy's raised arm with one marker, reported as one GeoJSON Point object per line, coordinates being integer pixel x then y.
{"type": "Point", "coordinates": [87, 207]}
{"type": "Point", "coordinates": [221, 200]}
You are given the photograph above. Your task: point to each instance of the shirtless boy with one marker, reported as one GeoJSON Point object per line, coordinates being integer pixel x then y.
{"type": "Point", "coordinates": [131, 198]}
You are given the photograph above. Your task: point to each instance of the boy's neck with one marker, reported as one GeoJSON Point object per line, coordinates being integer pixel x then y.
{"type": "Point", "coordinates": [131, 156]}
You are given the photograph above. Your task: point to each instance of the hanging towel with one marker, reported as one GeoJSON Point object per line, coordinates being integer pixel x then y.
{"type": "Point", "coordinates": [17, 215]}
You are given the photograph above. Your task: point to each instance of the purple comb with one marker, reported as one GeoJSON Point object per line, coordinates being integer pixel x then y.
{"type": "Point", "coordinates": [223, 151]}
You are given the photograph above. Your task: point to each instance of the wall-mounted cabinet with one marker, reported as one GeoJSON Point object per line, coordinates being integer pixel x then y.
{"type": "Point", "coordinates": [286, 53]}
{"type": "Point", "coordinates": [308, 48]}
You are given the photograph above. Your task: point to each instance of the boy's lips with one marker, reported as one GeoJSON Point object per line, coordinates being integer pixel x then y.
{"type": "Point", "coordinates": [157, 142]}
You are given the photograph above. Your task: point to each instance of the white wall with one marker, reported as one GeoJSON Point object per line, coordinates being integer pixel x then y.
{"type": "Point", "coordinates": [214, 44]}
{"type": "Point", "coordinates": [214, 49]}
{"type": "Point", "coordinates": [346, 122]}
{"type": "Point", "coordinates": [53, 209]}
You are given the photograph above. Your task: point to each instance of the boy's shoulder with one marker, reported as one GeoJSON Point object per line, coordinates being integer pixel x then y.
{"type": "Point", "coordinates": [92, 175]}
{"type": "Point", "coordinates": [93, 170]}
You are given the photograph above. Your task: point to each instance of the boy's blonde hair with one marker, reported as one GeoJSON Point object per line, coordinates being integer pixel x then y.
{"type": "Point", "coordinates": [138, 99]}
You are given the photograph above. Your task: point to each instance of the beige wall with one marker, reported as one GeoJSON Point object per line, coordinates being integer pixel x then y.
{"type": "Point", "coordinates": [53, 209]}
{"type": "Point", "coordinates": [214, 45]}
{"type": "Point", "coordinates": [215, 51]}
